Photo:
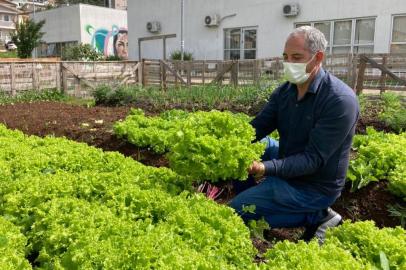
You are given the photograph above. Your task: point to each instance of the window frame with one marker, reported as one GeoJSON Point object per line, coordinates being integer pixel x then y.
{"type": "Point", "coordinates": [352, 44]}
{"type": "Point", "coordinates": [241, 48]}
{"type": "Point", "coordinates": [391, 42]}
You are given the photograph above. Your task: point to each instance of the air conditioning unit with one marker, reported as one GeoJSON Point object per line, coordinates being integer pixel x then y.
{"type": "Point", "coordinates": [154, 27]}
{"type": "Point", "coordinates": [212, 20]}
{"type": "Point", "coordinates": [290, 10]}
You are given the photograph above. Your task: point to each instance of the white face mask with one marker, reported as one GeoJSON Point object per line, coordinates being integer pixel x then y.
{"type": "Point", "coordinates": [296, 72]}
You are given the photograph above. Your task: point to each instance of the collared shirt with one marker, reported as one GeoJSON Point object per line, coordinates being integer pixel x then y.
{"type": "Point", "coordinates": [315, 133]}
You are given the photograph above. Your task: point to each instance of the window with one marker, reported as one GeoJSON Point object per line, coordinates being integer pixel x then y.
{"type": "Point", "coordinates": [6, 18]}
{"type": "Point", "coordinates": [240, 43]}
{"type": "Point", "coordinates": [398, 44]}
{"type": "Point", "coordinates": [347, 36]}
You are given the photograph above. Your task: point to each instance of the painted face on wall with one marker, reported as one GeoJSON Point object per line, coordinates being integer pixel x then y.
{"type": "Point", "coordinates": [121, 44]}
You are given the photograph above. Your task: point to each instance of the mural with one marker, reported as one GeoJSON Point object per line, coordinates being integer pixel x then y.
{"type": "Point", "coordinates": [110, 42]}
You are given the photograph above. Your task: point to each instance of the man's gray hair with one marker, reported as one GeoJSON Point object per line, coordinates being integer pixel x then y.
{"type": "Point", "coordinates": [314, 38]}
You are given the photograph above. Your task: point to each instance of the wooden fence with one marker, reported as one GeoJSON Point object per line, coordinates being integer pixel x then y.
{"type": "Point", "coordinates": [73, 78]}
{"type": "Point", "coordinates": [378, 71]}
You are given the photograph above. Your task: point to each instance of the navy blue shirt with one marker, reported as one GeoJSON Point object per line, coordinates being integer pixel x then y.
{"type": "Point", "coordinates": [315, 133]}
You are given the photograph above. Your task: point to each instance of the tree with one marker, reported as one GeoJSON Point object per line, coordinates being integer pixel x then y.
{"type": "Point", "coordinates": [27, 37]}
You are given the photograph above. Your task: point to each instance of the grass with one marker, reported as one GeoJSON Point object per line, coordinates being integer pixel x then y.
{"type": "Point", "coordinates": [33, 95]}
{"type": "Point", "coordinates": [8, 54]}
{"type": "Point", "coordinates": [203, 96]}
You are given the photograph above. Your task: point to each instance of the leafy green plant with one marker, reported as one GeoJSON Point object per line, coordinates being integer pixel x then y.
{"type": "Point", "coordinates": [113, 58]}
{"type": "Point", "coordinates": [287, 255]}
{"type": "Point", "coordinates": [394, 112]}
{"type": "Point", "coordinates": [80, 207]}
{"type": "Point", "coordinates": [177, 55]}
{"type": "Point", "coordinates": [399, 212]}
{"type": "Point", "coordinates": [81, 52]}
{"type": "Point", "coordinates": [366, 242]}
{"type": "Point", "coordinates": [12, 247]}
{"type": "Point", "coordinates": [208, 97]}
{"type": "Point", "coordinates": [379, 156]}
{"type": "Point", "coordinates": [33, 95]}
{"type": "Point", "coordinates": [27, 37]}
{"type": "Point", "coordinates": [209, 146]}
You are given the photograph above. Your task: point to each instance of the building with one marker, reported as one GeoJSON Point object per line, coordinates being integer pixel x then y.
{"type": "Point", "coordinates": [104, 28]}
{"type": "Point", "coordinates": [117, 4]}
{"type": "Point", "coordinates": [8, 19]}
{"type": "Point", "coordinates": [240, 29]}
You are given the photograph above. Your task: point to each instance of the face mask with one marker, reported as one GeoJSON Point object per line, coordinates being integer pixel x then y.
{"type": "Point", "coordinates": [296, 72]}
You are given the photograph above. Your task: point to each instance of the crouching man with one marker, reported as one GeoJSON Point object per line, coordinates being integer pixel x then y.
{"type": "Point", "coordinates": [315, 114]}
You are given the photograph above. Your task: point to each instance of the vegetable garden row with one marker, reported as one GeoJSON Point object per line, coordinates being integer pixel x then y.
{"type": "Point", "coordinates": [66, 205]}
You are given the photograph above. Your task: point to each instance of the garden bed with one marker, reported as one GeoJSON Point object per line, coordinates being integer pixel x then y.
{"type": "Point", "coordinates": [94, 126]}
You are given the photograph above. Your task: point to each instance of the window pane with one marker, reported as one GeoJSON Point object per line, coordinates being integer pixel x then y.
{"type": "Point", "coordinates": [363, 49]}
{"type": "Point", "coordinates": [399, 29]}
{"type": "Point", "coordinates": [302, 24]}
{"type": "Point", "coordinates": [364, 31]}
{"type": "Point", "coordinates": [233, 38]}
{"type": "Point", "coordinates": [250, 54]}
{"type": "Point", "coordinates": [232, 54]}
{"type": "Point", "coordinates": [324, 27]}
{"type": "Point", "coordinates": [342, 32]}
{"type": "Point", "coordinates": [398, 48]}
{"type": "Point", "coordinates": [250, 39]}
{"type": "Point", "coordinates": [341, 50]}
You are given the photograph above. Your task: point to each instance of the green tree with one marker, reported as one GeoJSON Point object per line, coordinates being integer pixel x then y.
{"type": "Point", "coordinates": [27, 37]}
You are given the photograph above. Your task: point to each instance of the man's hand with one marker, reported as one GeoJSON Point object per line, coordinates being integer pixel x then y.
{"type": "Point", "coordinates": [257, 168]}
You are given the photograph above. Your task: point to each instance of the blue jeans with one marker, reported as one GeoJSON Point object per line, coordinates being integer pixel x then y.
{"type": "Point", "coordinates": [278, 202]}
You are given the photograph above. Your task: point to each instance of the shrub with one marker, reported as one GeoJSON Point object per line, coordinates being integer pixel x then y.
{"type": "Point", "coordinates": [177, 55]}
{"type": "Point", "coordinates": [81, 52]}
{"type": "Point", "coordinates": [394, 113]}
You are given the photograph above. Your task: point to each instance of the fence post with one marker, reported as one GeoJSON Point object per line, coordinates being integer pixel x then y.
{"type": "Point", "coordinates": [78, 83]}
{"type": "Point", "coordinates": [276, 71]}
{"type": "Point", "coordinates": [163, 75]}
{"type": "Point", "coordinates": [256, 72]}
{"type": "Point", "coordinates": [189, 73]}
{"type": "Point", "coordinates": [383, 75]}
{"type": "Point", "coordinates": [34, 76]}
{"type": "Point", "coordinates": [58, 75]}
{"type": "Point", "coordinates": [144, 72]}
{"type": "Point", "coordinates": [234, 73]}
{"type": "Point", "coordinates": [204, 72]}
{"type": "Point", "coordinates": [12, 78]}
{"type": "Point", "coordinates": [64, 79]}
{"type": "Point", "coordinates": [361, 75]}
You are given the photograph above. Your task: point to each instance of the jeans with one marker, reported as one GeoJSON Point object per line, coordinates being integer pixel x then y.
{"type": "Point", "coordinates": [278, 202]}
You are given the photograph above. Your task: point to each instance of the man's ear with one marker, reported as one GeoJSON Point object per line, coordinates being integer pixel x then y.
{"type": "Point", "coordinates": [319, 57]}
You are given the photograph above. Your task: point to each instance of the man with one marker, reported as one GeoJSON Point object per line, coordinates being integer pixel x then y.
{"type": "Point", "coordinates": [315, 114]}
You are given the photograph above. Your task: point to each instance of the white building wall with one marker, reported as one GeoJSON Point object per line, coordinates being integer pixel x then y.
{"type": "Point", "coordinates": [273, 26]}
{"type": "Point", "coordinates": [83, 24]}
{"type": "Point", "coordinates": [61, 24]}
{"type": "Point", "coordinates": [100, 24]}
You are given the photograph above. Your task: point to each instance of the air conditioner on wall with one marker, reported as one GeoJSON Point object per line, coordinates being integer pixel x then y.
{"type": "Point", "coordinates": [290, 10]}
{"type": "Point", "coordinates": [154, 27]}
{"type": "Point", "coordinates": [212, 20]}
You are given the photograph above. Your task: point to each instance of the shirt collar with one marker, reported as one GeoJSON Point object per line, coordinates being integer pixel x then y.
{"type": "Point", "coordinates": [314, 86]}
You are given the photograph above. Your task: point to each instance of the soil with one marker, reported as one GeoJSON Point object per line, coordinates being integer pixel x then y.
{"type": "Point", "coordinates": [94, 127]}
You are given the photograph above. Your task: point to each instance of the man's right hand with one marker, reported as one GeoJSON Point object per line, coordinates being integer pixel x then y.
{"type": "Point", "coordinates": [257, 168]}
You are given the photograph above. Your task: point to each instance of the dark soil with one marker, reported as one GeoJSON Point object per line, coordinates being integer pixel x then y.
{"type": "Point", "coordinates": [94, 127]}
